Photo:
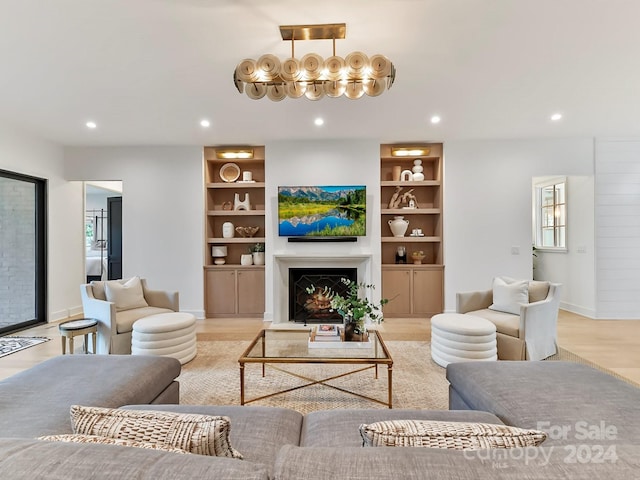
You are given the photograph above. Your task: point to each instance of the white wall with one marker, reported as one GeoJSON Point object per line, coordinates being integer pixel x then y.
{"type": "Point", "coordinates": [27, 154]}
{"type": "Point", "coordinates": [339, 162]}
{"type": "Point", "coordinates": [575, 269]}
{"type": "Point", "coordinates": [162, 212]}
{"type": "Point", "coordinates": [487, 208]}
{"type": "Point", "coordinates": [618, 228]}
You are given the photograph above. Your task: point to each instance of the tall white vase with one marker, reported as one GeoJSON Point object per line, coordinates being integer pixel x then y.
{"type": "Point", "coordinates": [398, 226]}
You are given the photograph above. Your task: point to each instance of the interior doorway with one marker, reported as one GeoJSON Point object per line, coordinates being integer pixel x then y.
{"type": "Point", "coordinates": [103, 230]}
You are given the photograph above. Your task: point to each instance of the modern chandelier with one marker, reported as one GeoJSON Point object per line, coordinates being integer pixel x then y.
{"type": "Point", "coordinates": [312, 76]}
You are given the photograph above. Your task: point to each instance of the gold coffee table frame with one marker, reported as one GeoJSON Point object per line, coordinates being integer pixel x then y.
{"type": "Point", "coordinates": [274, 346]}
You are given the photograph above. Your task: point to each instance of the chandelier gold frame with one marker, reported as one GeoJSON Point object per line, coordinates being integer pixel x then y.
{"type": "Point", "coordinates": [312, 76]}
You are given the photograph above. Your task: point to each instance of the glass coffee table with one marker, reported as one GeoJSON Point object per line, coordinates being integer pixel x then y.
{"type": "Point", "coordinates": [274, 346]}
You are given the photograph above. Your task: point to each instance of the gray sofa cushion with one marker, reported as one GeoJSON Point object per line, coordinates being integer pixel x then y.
{"type": "Point", "coordinates": [406, 463]}
{"type": "Point", "coordinates": [36, 402]}
{"type": "Point", "coordinates": [26, 459]}
{"type": "Point", "coordinates": [558, 393]}
{"type": "Point", "coordinates": [340, 428]}
{"type": "Point", "coordinates": [257, 433]}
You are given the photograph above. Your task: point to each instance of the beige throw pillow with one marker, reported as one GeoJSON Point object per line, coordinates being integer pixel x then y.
{"type": "Point", "coordinates": [449, 435]}
{"type": "Point", "coordinates": [538, 290]}
{"type": "Point", "coordinates": [508, 296]}
{"type": "Point", "coordinates": [126, 295]}
{"type": "Point", "coordinates": [77, 438]}
{"type": "Point", "coordinates": [194, 433]}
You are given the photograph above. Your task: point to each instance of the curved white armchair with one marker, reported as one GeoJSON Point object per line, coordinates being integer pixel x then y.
{"type": "Point", "coordinates": [531, 335]}
{"type": "Point", "coordinates": [116, 324]}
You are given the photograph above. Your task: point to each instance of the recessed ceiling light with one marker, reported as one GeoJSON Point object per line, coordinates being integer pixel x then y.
{"type": "Point", "coordinates": [205, 123]}
{"type": "Point", "coordinates": [318, 121]}
{"type": "Point", "coordinates": [91, 125]}
{"type": "Point", "coordinates": [435, 119]}
{"type": "Point", "coordinates": [556, 116]}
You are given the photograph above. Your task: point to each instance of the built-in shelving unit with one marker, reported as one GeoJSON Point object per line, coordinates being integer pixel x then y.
{"type": "Point", "coordinates": [416, 289]}
{"type": "Point", "coordinates": [233, 289]}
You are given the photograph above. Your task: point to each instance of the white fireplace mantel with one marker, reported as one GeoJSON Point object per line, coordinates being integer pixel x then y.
{"type": "Point", "coordinates": [282, 264]}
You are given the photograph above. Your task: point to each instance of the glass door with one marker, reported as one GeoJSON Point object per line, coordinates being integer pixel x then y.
{"type": "Point", "coordinates": [22, 251]}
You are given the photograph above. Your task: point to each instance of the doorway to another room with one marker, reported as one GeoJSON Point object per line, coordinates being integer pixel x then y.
{"type": "Point", "coordinates": [103, 230]}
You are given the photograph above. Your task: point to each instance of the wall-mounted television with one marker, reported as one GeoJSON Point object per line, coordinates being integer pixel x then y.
{"type": "Point", "coordinates": [328, 211]}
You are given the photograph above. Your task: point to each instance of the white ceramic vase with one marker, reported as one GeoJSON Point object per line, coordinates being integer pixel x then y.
{"type": "Point", "coordinates": [398, 226]}
{"type": "Point", "coordinates": [246, 259]}
{"type": "Point", "coordinates": [258, 258]}
{"type": "Point", "coordinates": [228, 230]}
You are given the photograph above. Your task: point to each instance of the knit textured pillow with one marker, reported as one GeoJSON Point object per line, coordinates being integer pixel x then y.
{"type": "Point", "coordinates": [450, 435]}
{"type": "Point", "coordinates": [201, 434]}
{"type": "Point", "coordinates": [77, 438]}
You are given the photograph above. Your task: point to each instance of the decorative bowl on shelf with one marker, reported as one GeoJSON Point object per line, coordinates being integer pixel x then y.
{"type": "Point", "coordinates": [229, 172]}
{"type": "Point", "coordinates": [247, 232]}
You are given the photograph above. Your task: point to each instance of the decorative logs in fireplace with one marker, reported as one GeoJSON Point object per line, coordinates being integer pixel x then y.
{"type": "Point", "coordinates": [315, 307]}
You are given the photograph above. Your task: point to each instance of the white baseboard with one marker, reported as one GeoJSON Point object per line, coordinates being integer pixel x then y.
{"type": "Point", "coordinates": [64, 314]}
{"type": "Point", "coordinates": [199, 314]}
{"type": "Point", "coordinates": [585, 312]}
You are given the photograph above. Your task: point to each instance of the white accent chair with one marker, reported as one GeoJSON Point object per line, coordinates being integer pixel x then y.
{"type": "Point", "coordinates": [115, 325]}
{"type": "Point", "coordinates": [529, 335]}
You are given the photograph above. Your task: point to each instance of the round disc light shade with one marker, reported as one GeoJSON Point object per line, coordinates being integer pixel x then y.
{"type": "Point", "coordinates": [357, 63]}
{"type": "Point", "coordinates": [335, 88]}
{"type": "Point", "coordinates": [256, 91]}
{"type": "Point", "coordinates": [295, 89]}
{"type": "Point", "coordinates": [354, 90]}
{"type": "Point", "coordinates": [290, 70]}
{"type": "Point", "coordinates": [268, 66]}
{"type": "Point", "coordinates": [380, 66]}
{"type": "Point", "coordinates": [373, 88]}
{"type": "Point", "coordinates": [311, 65]}
{"type": "Point", "coordinates": [334, 67]}
{"type": "Point", "coordinates": [276, 92]}
{"type": "Point", "coordinates": [246, 70]}
{"type": "Point", "coordinates": [315, 91]}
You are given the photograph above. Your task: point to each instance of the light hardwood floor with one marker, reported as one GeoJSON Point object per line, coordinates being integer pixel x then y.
{"type": "Point", "coordinates": [612, 344]}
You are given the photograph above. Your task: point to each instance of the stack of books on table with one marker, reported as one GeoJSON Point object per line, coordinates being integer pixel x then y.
{"type": "Point", "coordinates": [329, 332]}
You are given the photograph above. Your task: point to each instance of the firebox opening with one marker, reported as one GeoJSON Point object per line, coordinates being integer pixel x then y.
{"type": "Point", "coordinates": [315, 307]}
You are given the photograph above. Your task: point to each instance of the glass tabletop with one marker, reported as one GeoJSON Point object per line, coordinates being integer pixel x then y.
{"type": "Point", "coordinates": [276, 345]}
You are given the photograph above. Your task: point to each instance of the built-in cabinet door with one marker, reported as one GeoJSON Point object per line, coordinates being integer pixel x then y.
{"type": "Point", "coordinates": [427, 292]}
{"type": "Point", "coordinates": [221, 292]}
{"type": "Point", "coordinates": [250, 291]}
{"type": "Point", "coordinates": [396, 286]}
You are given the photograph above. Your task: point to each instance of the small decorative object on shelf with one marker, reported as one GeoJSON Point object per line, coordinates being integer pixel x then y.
{"type": "Point", "coordinates": [401, 255]}
{"type": "Point", "coordinates": [227, 230]}
{"type": "Point", "coordinates": [247, 232]}
{"type": "Point", "coordinates": [398, 226]}
{"type": "Point", "coordinates": [396, 171]}
{"type": "Point", "coordinates": [409, 200]}
{"type": "Point", "coordinates": [246, 259]}
{"type": "Point", "coordinates": [356, 311]}
{"type": "Point", "coordinates": [418, 176]}
{"type": "Point", "coordinates": [219, 252]}
{"type": "Point", "coordinates": [241, 205]}
{"type": "Point", "coordinates": [418, 257]}
{"type": "Point", "coordinates": [406, 176]}
{"type": "Point", "coordinates": [395, 199]}
{"type": "Point", "coordinates": [257, 252]}
{"type": "Point", "coordinates": [229, 172]}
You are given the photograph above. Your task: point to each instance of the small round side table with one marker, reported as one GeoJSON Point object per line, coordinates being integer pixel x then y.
{"type": "Point", "coordinates": [71, 329]}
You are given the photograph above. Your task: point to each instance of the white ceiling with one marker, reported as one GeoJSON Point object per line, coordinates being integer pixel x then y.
{"type": "Point", "coordinates": [147, 71]}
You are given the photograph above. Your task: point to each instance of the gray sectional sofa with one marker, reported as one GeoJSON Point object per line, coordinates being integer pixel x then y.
{"type": "Point", "coordinates": [286, 445]}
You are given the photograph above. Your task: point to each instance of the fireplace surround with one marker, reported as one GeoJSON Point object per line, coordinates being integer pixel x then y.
{"type": "Point", "coordinates": [283, 263]}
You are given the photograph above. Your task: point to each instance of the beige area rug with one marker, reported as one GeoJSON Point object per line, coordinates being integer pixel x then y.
{"type": "Point", "coordinates": [213, 378]}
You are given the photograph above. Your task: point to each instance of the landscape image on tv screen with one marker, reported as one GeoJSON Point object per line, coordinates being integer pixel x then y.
{"type": "Point", "coordinates": [327, 211]}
